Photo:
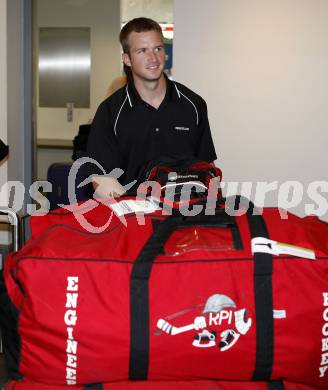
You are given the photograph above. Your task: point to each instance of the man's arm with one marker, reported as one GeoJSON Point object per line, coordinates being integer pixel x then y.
{"type": "Point", "coordinates": [103, 147]}
{"type": "Point", "coordinates": [206, 149]}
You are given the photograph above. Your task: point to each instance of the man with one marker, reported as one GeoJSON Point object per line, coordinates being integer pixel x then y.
{"type": "Point", "coordinates": [151, 116]}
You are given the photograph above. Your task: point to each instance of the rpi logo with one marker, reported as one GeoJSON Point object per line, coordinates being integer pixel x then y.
{"type": "Point", "coordinates": [218, 311]}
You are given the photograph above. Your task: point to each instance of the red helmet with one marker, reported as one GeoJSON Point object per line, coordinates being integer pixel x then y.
{"type": "Point", "coordinates": [179, 176]}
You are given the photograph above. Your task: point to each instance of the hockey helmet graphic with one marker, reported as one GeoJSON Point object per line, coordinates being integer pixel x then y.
{"type": "Point", "coordinates": [218, 302]}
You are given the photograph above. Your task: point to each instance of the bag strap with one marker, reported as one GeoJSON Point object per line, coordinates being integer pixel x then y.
{"type": "Point", "coordinates": [263, 302]}
{"type": "Point", "coordinates": [276, 385]}
{"type": "Point", "coordinates": [139, 292]}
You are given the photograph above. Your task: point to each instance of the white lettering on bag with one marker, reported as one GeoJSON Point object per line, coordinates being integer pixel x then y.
{"type": "Point", "coordinates": [71, 360]}
{"type": "Point", "coordinates": [324, 355]}
{"type": "Point", "coordinates": [70, 319]}
{"type": "Point", "coordinates": [71, 299]}
{"type": "Point", "coordinates": [324, 345]}
{"type": "Point", "coordinates": [72, 283]}
{"type": "Point", "coordinates": [218, 318]}
{"type": "Point", "coordinates": [70, 333]}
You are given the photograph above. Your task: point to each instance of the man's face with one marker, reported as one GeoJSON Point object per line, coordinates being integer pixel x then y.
{"type": "Point", "coordinates": [146, 56]}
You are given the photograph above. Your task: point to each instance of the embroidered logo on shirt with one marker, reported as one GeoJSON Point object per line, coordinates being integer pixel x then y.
{"type": "Point", "coordinates": [181, 128]}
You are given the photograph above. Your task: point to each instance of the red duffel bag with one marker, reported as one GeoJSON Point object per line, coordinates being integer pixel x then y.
{"type": "Point", "coordinates": [149, 385]}
{"type": "Point", "coordinates": [173, 298]}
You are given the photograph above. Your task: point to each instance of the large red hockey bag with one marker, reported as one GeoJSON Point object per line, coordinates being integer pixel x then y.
{"type": "Point", "coordinates": [164, 385]}
{"type": "Point", "coordinates": [169, 298]}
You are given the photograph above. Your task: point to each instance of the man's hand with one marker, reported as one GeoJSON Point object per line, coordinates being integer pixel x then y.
{"type": "Point", "coordinates": [107, 187]}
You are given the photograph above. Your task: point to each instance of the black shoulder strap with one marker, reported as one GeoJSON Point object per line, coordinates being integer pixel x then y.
{"type": "Point", "coordinates": [262, 290]}
{"type": "Point", "coordinates": [263, 303]}
{"type": "Point", "coordinates": [139, 298]}
{"type": "Point", "coordinates": [276, 385]}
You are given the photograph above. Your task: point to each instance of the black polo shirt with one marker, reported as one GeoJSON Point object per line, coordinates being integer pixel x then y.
{"type": "Point", "coordinates": [128, 133]}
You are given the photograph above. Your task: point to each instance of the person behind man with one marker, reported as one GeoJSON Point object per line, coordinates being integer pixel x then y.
{"type": "Point", "coordinates": [151, 116]}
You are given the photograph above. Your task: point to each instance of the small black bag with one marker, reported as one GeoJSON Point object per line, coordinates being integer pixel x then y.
{"type": "Point", "coordinates": [80, 142]}
{"type": "Point", "coordinates": [4, 149]}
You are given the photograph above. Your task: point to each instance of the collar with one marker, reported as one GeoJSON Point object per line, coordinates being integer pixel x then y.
{"type": "Point", "coordinates": [172, 93]}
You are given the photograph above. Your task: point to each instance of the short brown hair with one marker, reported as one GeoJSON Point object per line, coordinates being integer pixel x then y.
{"type": "Point", "coordinates": [137, 25]}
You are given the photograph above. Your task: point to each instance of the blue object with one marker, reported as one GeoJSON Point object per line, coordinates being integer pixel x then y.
{"type": "Point", "coordinates": [58, 177]}
{"type": "Point", "coordinates": [169, 55]}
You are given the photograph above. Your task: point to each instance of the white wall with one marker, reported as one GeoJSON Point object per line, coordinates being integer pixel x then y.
{"type": "Point", "coordinates": [3, 95]}
{"type": "Point", "coordinates": [103, 16]}
{"type": "Point", "coordinates": [15, 96]}
{"type": "Point", "coordinates": [4, 235]}
{"type": "Point", "coordinates": [159, 10]}
{"type": "Point", "coordinates": [262, 67]}
{"type": "Point", "coordinates": [19, 93]}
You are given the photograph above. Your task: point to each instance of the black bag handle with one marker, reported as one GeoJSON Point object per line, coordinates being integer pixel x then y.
{"type": "Point", "coordinates": [139, 293]}
{"type": "Point", "coordinates": [276, 385]}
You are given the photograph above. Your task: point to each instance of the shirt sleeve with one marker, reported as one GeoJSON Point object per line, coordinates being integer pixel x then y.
{"type": "Point", "coordinates": [102, 143]}
{"type": "Point", "coordinates": [205, 149]}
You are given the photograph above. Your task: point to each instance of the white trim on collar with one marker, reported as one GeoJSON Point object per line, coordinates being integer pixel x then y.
{"type": "Point", "coordinates": [119, 114]}
{"type": "Point", "coordinates": [128, 95]}
{"type": "Point", "coordinates": [180, 93]}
